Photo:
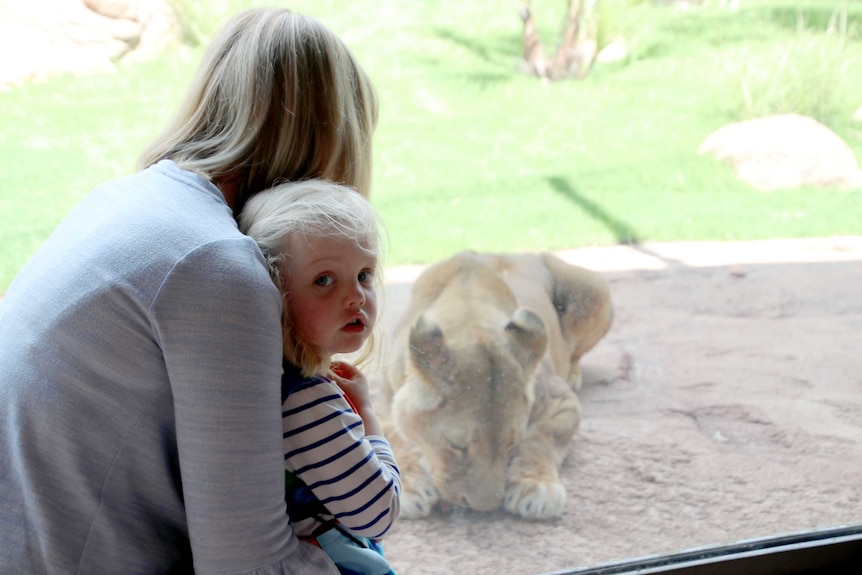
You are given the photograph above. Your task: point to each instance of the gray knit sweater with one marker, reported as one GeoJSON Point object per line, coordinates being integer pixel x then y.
{"type": "Point", "coordinates": [140, 421]}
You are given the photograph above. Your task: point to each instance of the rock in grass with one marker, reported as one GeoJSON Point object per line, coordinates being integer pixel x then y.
{"type": "Point", "coordinates": [785, 151]}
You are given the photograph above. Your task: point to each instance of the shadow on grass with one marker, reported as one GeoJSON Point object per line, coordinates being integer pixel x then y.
{"type": "Point", "coordinates": [503, 55]}
{"type": "Point", "coordinates": [506, 48]}
{"type": "Point", "coordinates": [621, 230]}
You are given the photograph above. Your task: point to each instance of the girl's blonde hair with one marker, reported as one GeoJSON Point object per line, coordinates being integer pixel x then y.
{"type": "Point", "coordinates": [277, 96]}
{"type": "Point", "coordinates": [314, 208]}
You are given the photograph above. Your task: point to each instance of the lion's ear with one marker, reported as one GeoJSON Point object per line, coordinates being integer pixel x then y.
{"type": "Point", "coordinates": [529, 338]}
{"type": "Point", "coordinates": [428, 347]}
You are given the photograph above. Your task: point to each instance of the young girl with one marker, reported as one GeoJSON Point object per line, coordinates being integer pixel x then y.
{"type": "Point", "coordinates": [321, 242]}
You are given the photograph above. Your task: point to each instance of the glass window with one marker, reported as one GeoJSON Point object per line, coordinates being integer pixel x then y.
{"type": "Point", "coordinates": [724, 403]}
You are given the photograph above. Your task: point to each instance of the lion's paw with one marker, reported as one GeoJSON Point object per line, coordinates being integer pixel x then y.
{"type": "Point", "coordinates": [535, 500]}
{"type": "Point", "coordinates": [418, 498]}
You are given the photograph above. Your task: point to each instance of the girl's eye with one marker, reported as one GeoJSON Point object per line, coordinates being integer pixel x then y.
{"type": "Point", "coordinates": [324, 280]}
{"type": "Point", "coordinates": [366, 276]}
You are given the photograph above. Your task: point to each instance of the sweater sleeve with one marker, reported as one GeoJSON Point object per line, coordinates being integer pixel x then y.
{"type": "Point", "coordinates": [217, 322]}
{"type": "Point", "coordinates": [353, 475]}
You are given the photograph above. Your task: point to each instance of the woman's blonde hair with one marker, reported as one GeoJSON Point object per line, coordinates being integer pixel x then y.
{"type": "Point", "coordinates": [314, 208]}
{"type": "Point", "coordinates": [277, 96]}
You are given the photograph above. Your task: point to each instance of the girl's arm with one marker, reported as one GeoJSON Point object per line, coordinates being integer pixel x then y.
{"type": "Point", "coordinates": [353, 474]}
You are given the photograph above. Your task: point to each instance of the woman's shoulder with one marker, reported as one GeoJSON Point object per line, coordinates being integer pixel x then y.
{"type": "Point", "coordinates": [161, 210]}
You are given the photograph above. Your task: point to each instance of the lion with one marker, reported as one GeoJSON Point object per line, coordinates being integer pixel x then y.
{"type": "Point", "coordinates": [480, 390]}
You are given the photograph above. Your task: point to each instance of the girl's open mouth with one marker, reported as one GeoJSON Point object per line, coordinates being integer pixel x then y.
{"type": "Point", "coordinates": [355, 325]}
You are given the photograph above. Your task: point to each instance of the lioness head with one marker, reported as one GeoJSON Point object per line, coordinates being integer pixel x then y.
{"type": "Point", "coordinates": [467, 396]}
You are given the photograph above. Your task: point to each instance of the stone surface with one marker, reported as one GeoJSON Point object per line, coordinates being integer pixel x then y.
{"type": "Point", "coordinates": [50, 37]}
{"type": "Point", "coordinates": [725, 404]}
{"type": "Point", "coordinates": [784, 151]}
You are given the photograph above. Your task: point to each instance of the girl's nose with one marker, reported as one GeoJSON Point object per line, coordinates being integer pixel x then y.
{"type": "Point", "coordinates": [355, 296]}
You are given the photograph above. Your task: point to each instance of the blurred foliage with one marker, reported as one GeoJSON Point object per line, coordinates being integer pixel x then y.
{"type": "Point", "coordinates": [473, 153]}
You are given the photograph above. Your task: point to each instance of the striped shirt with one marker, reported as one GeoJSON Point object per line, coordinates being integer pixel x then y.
{"type": "Point", "coordinates": [353, 475]}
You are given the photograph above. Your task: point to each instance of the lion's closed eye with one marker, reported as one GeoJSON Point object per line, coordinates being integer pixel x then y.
{"type": "Point", "coordinates": [457, 448]}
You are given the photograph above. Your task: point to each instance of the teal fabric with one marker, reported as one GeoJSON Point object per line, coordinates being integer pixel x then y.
{"type": "Point", "coordinates": [353, 555]}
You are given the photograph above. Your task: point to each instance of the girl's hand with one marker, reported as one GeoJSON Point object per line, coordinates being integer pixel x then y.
{"type": "Point", "coordinates": [355, 386]}
{"type": "Point", "coordinates": [353, 383]}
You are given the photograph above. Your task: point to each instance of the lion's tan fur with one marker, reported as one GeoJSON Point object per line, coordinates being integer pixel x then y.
{"type": "Point", "coordinates": [480, 394]}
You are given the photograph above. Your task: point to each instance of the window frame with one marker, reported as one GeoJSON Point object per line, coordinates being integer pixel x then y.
{"type": "Point", "coordinates": [834, 550]}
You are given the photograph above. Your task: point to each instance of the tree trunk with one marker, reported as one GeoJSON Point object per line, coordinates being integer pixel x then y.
{"type": "Point", "coordinates": [576, 51]}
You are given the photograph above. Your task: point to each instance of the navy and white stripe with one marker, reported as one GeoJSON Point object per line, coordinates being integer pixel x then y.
{"type": "Point", "coordinates": [355, 476]}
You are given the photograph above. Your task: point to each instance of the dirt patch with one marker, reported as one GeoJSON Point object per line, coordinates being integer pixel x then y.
{"type": "Point", "coordinates": [725, 404]}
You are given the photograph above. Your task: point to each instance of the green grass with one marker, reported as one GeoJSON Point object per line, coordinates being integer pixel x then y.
{"type": "Point", "coordinates": [470, 153]}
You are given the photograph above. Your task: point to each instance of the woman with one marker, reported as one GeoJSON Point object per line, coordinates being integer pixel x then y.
{"type": "Point", "coordinates": [140, 348]}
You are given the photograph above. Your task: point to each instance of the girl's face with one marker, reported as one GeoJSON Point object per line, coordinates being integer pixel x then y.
{"type": "Point", "coordinates": [330, 285]}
